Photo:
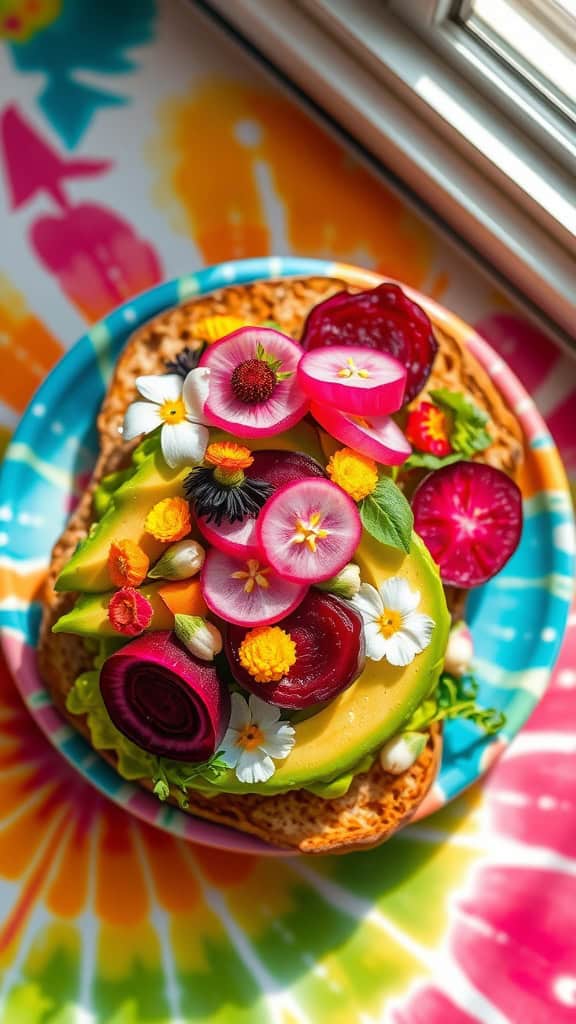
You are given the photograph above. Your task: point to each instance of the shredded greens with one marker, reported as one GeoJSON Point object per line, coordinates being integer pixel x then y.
{"type": "Point", "coordinates": [456, 698]}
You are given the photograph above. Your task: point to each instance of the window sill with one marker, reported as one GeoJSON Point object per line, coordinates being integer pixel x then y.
{"type": "Point", "coordinates": [398, 99]}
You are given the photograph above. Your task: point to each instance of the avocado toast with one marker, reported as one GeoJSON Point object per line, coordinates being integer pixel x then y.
{"type": "Point", "coordinates": [332, 790]}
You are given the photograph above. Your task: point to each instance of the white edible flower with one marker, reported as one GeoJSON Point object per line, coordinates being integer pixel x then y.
{"type": "Point", "coordinates": [345, 584]}
{"type": "Point", "coordinates": [180, 561]}
{"type": "Point", "coordinates": [393, 628]}
{"type": "Point", "coordinates": [400, 753]}
{"type": "Point", "coordinates": [201, 638]}
{"type": "Point", "coordinates": [177, 406]}
{"type": "Point", "coordinates": [255, 736]}
{"type": "Point", "coordinates": [460, 650]}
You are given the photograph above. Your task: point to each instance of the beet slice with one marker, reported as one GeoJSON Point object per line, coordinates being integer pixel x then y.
{"type": "Point", "coordinates": [274, 467]}
{"type": "Point", "coordinates": [469, 516]}
{"type": "Point", "coordinates": [383, 318]}
{"type": "Point", "coordinates": [164, 699]}
{"type": "Point", "coordinates": [330, 653]}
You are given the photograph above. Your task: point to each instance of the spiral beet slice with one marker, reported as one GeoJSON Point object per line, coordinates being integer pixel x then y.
{"type": "Point", "coordinates": [329, 640]}
{"type": "Point", "coordinates": [164, 699]}
{"type": "Point", "coordinates": [469, 516]}
{"type": "Point", "coordinates": [383, 318]}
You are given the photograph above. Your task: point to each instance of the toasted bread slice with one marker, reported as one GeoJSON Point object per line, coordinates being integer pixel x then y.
{"type": "Point", "coordinates": [377, 803]}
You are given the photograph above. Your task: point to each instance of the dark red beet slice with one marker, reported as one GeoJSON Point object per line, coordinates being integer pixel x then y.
{"type": "Point", "coordinates": [330, 653]}
{"type": "Point", "coordinates": [164, 699]}
{"type": "Point", "coordinates": [383, 318]}
{"type": "Point", "coordinates": [469, 516]}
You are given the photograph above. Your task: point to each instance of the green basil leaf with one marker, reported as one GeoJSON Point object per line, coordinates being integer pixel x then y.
{"type": "Point", "coordinates": [387, 515]}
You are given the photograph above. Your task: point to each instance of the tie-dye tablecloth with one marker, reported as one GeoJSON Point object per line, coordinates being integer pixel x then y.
{"type": "Point", "coordinates": [136, 143]}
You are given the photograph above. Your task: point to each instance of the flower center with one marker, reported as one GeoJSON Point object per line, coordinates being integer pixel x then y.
{"type": "Point", "coordinates": [253, 381]}
{"type": "Point", "coordinates": [255, 575]}
{"type": "Point", "coordinates": [436, 425]}
{"type": "Point", "coordinates": [351, 370]}
{"type": "Point", "coordinates": [173, 412]}
{"type": "Point", "coordinates": [389, 622]}
{"type": "Point", "coordinates": [309, 531]}
{"type": "Point", "coordinates": [267, 653]}
{"type": "Point", "coordinates": [250, 737]}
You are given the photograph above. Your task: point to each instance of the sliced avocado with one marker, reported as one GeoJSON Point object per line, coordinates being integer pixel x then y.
{"type": "Point", "coordinates": [303, 437]}
{"type": "Point", "coordinates": [89, 616]}
{"type": "Point", "coordinates": [358, 722]}
{"type": "Point", "coordinates": [124, 518]}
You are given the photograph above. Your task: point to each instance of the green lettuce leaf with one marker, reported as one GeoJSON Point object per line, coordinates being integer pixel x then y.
{"type": "Point", "coordinates": [468, 433]}
{"type": "Point", "coordinates": [456, 698]}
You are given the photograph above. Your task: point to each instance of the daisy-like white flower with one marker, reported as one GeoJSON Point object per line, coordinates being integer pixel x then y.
{"type": "Point", "coordinates": [177, 406]}
{"type": "Point", "coordinates": [393, 628]}
{"type": "Point", "coordinates": [255, 738]}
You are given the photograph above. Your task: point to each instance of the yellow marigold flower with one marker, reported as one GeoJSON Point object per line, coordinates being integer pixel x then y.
{"type": "Point", "coordinates": [127, 564]}
{"type": "Point", "coordinates": [228, 455]}
{"type": "Point", "coordinates": [267, 653]}
{"type": "Point", "coordinates": [354, 473]}
{"type": "Point", "coordinates": [169, 520]}
{"type": "Point", "coordinates": [212, 328]}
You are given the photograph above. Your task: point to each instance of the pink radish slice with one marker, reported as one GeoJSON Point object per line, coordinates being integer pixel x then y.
{"type": "Point", "coordinates": [309, 530]}
{"type": "Point", "coordinates": [285, 405]}
{"type": "Point", "coordinates": [235, 539]}
{"type": "Point", "coordinates": [383, 318]}
{"type": "Point", "coordinates": [377, 437]}
{"type": "Point", "coordinates": [255, 597]}
{"type": "Point", "coordinates": [274, 467]}
{"type": "Point", "coordinates": [469, 516]}
{"type": "Point", "coordinates": [353, 379]}
{"type": "Point", "coordinates": [164, 699]}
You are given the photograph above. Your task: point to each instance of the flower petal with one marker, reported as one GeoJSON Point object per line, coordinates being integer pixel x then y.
{"type": "Point", "coordinates": [195, 393]}
{"type": "Point", "coordinates": [263, 713]}
{"type": "Point", "coordinates": [400, 649]}
{"type": "Point", "coordinates": [159, 388]}
{"type": "Point", "coordinates": [140, 418]}
{"type": "Point", "coordinates": [183, 443]}
{"type": "Point", "coordinates": [240, 715]}
{"type": "Point", "coordinates": [254, 766]}
{"type": "Point", "coordinates": [376, 643]}
{"type": "Point", "coordinates": [280, 744]}
{"type": "Point", "coordinates": [230, 748]}
{"type": "Point", "coordinates": [368, 602]}
{"type": "Point", "coordinates": [396, 593]}
{"type": "Point", "coordinates": [419, 628]}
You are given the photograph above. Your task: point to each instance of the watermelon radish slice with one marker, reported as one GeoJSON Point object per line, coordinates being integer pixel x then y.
{"type": "Point", "coordinates": [253, 388]}
{"type": "Point", "coordinates": [164, 699]}
{"type": "Point", "coordinates": [383, 318]}
{"type": "Point", "coordinates": [469, 516]}
{"type": "Point", "coordinates": [329, 639]}
{"type": "Point", "coordinates": [274, 467]}
{"type": "Point", "coordinates": [247, 592]}
{"type": "Point", "coordinates": [353, 379]}
{"type": "Point", "coordinates": [377, 437]}
{"type": "Point", "coordinates": [309, 530]}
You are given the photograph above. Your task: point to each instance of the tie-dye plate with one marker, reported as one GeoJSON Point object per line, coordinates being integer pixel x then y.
{"type": "Point", "coordinates": [518, 619]}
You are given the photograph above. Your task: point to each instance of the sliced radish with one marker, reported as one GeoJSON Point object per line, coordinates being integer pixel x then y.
{"type": "Point", "coordinates": [253, 387]}
{"type": "Point", "coordinates": [383, 318]}
{"type": "Point", "coordinates": [353, 379]}
{"type": "Point", "coordinates": [274, 467]}
{"type": "Point", "coordinates": [469, 516]}
{"type": "Point", "coordinates": [164, 699]}
{"type": "Point", "coordinates": [309, 530]}
{"type": "Point", "coordinates": [377, 437]}
{"type": "Point", "coordinates": [249, 592]}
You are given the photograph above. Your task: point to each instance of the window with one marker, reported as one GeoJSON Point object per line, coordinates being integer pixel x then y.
{"type": "Point", "coordinates": [535, 38]}
{"type": "Point", "coordinates": [473, 115]}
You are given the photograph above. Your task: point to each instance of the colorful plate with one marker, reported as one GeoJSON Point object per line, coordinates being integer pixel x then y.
{"type": "Point", "coordinates": [517, 620]}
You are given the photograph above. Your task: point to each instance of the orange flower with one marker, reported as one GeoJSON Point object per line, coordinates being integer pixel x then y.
{"type": "Point", "coordinates": [212, 328]}
{"type": "Point", "coordinates": [169, 520]}
{"type": "Point", "coordinates": [228, 455]}
{"type": "Point", "coordinates": [127, 564]}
